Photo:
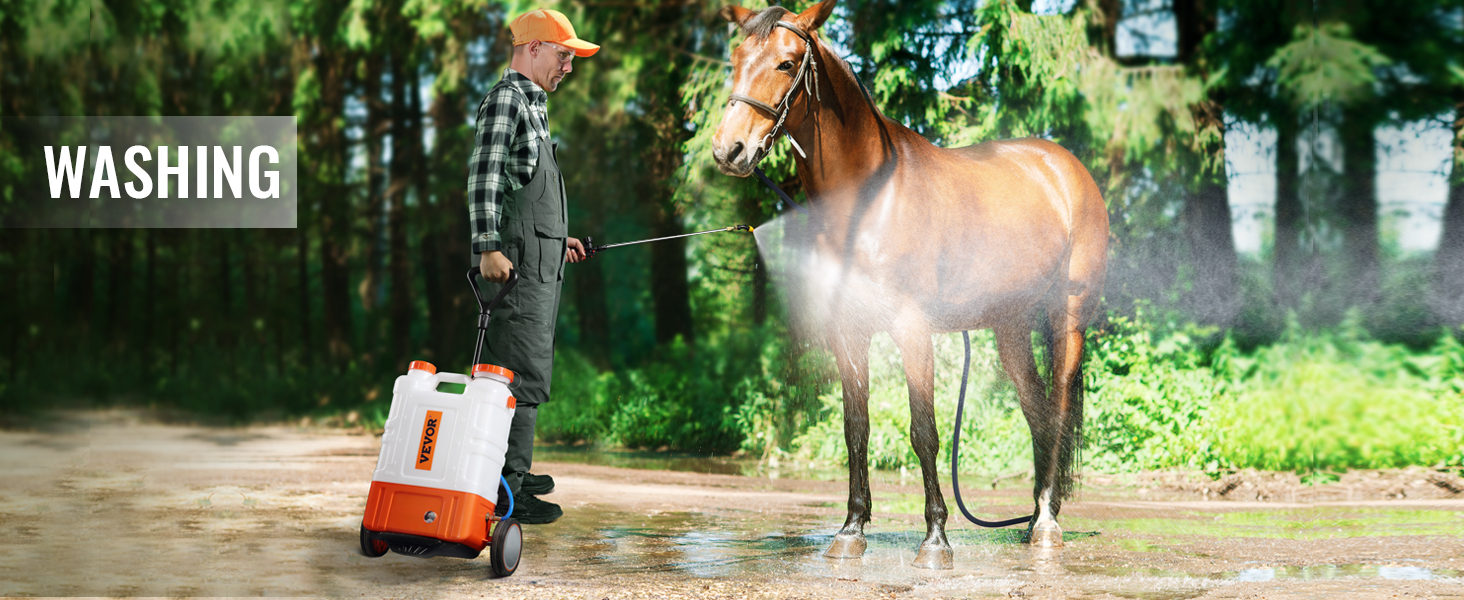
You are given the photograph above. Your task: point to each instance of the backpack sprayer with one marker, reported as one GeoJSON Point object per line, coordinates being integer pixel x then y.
{"type": "Point", "coordinates": [441, 462]}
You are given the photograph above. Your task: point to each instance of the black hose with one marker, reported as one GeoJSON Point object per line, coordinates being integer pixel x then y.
{"type": "Point", "coordinates": [956, 448]}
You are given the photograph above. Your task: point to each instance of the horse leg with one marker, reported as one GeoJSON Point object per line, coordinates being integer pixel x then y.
{"type": "Point", "coordinates": [918, 353]}
{"type": "Point", "coordinates": [1066, 417]}
{"type": "Point", "coordinates": [1014, 345]}
{"type": "Point", "coordinates": [852, 353]}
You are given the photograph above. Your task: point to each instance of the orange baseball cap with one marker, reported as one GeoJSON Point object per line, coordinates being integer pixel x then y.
{"type": "Point", "coordinates": [548, 25]}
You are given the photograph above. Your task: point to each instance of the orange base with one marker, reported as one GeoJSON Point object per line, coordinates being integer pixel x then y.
{"type": "Point", "coordinates": [461, 517]}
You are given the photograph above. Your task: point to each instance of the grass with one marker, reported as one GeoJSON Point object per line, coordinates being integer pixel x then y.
{"type": "Point", "coordinates": [1316, 523]}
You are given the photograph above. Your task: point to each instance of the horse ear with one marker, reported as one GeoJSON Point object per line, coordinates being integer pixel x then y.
{"type": "Point", "coordinates": [735, 14]}
{"type": "Point", "coordinates": [815, 15]}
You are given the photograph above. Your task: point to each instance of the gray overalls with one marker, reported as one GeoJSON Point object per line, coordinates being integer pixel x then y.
{"type": "Point", "coordinates": [521, 335]}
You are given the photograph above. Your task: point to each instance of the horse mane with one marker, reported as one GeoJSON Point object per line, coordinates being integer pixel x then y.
{"type": "Point", "coordinates": [762, 23]}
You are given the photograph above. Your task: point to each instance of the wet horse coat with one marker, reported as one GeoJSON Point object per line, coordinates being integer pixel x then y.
{"type": "Point", "coordinates": [917, 240]}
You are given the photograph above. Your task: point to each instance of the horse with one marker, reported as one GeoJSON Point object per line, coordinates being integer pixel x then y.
{"type": "Point", "coordinates": [917, 240]}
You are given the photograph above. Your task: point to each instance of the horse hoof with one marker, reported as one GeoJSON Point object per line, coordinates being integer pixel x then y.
{"type": "Point", "coordinates": [939, 558]}
{"type": "Point", "coordinates": [847, 545]}
{"type": "Point", "coordinates": [1047, 535]}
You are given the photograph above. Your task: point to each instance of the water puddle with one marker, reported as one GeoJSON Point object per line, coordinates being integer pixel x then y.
{"type": "Point", "coordinates": [649, 460]}
{"type": "Point", "coordinates": [686, 462]}
{"type": "Point", "coordinates": [1326, 572]}
{"type": "Point", "coordinates": [730, 544]}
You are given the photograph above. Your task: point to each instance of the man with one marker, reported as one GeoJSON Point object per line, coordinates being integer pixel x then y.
{"type": "Point", "coordinates": [517, 207]}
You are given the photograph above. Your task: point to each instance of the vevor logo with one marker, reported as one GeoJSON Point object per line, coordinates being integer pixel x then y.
{"type": "Point", "coordinates": [430, 427]}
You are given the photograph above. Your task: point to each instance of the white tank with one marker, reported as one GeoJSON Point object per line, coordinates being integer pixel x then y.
{"type": "Point", "coordinates": [445, 440]}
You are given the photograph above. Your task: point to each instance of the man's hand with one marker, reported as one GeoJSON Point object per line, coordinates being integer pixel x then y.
{"type": "Point", "coordinates": [576, 251]}
{"type": "Point", "coordinates": [495, 266]}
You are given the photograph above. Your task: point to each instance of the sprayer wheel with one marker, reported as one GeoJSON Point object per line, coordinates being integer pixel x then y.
{"type": "Point", "coordinates": [370, 546]}
{"type": "Point", "coordinates": [508, 545]}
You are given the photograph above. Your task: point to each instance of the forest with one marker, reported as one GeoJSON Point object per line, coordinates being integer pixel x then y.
{"type": "Point", "coordinates": [1334, 345]}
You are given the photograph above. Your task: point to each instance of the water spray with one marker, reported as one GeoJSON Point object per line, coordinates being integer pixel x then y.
{"type": "Point", "coordinates": [591, 248]}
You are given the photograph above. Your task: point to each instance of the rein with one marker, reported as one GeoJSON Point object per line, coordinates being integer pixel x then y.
{"type": "Point", "coordinates": [807, 75]}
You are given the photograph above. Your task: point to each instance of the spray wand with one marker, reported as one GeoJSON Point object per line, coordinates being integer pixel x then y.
{"type": "Point", "coordinates": [591, 248]}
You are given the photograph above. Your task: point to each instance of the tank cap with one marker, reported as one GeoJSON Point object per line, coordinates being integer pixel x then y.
{"type": "Point", "coordinates": [422, 365]}
{"type": "Point", "coordinates": [480, 370]}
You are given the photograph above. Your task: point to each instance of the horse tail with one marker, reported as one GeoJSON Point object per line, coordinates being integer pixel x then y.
{"type": "Point", "coordinates": [1065, 426]}
{"type": "Point", "coordinates": [1072, 451]}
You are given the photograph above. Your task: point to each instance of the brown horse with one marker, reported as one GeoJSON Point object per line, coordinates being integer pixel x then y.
{"type": "Point", "coordinates": [917, 240]}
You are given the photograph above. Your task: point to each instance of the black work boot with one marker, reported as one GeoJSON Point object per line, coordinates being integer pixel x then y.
{"type": "Point", "coordinates": [530, 510]}
{"type": "Point", "coordinates": [536, 485]}
{"type": "Point", "coordinates": [527, 509]}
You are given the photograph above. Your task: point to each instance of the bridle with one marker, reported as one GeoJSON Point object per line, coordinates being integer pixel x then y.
{"type": "Point", "coordinates": [807, 75]}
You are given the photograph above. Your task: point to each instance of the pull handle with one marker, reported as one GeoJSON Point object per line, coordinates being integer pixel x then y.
{"type": "Point", "coordinates": [488, 308]}
{"type": "Point", "coordinates": [485, 310]}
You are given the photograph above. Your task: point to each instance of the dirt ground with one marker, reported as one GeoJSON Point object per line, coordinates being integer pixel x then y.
{"type": "Point", "coordinates": [122, 504]}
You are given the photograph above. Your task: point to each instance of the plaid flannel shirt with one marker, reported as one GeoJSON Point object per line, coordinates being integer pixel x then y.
{"type": "Point", "coordinates": [511, 121]}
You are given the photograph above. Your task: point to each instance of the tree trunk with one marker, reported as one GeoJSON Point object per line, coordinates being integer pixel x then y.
{"type": "Point", "coordinates": [428, 225]}
{"type": "Point", "coordinates": [1111, 12]}
{"type": "Point", "coordinates": [589, 276]}
{"type": "Point", "coordinates": [1216, 294]}
{"type": "Point", "coordinates": [401, 182]}
{"type": "Point", "coordinates": [10, 303]}
{"type": "Point", "coordinates": [1288, 254]}
{"type": "Point", "coordinates": [225, 325]}
{"type": "Point", "coordinates": [83, 281]}
{"type": "Point", "coordinates": [250, 263]}
{"type": "Point", "coordinates": [752, 213]}
{"type": "Point", "coordinates": [1448, 268]}
{"type": "Point", "coordinates": [277, 314]}
{"type": "Point", "coordinates": [302, 262]}
{"type": "Point", "coordinates": [119, 288]}
{"type": "Point", "coordinates": [149, 300]}
{"type": "Point", "coordinates": [594, 319]}
{"type": "Point", "coordinates": [669, 288]}
{"type": "Point", "coordinates": [334, 207]}
{"type": "Point", "coordinates": [450, 158]}
{"type": "Point", "coordinates": [1215, 297]}
{"type": "Point", "coordinates": [1359, 207]}
{"type": "Point", "coordinates": [1193, 20]}
{"type": "Point", "coordinates": [375, 205]}
{"type": "Point", "coordinates": [177, 319]}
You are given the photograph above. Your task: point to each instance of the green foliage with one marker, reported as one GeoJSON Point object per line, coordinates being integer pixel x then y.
{"type": "Point", "coordinates": [741, 391]}
{"type": "Point", "coordinates": [901, 50]}
{"type": "Point", "coordinates": [1323, 63]}
{"type": "Point", "coordinates": [1030, 82]}
{"type": "Point", "coordinates": [582, 403]}
{"type": "Point", "coordinates": [1337, 400]}
{"type": "Point", "coordinates": [1150, 395]}
{"type": "Point", "coordinates": [1160, 395]}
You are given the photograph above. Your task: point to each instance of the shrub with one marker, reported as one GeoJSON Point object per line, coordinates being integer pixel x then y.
{"type": "Point", "coordinates": [1337, 400]}
{"type": "Point", "coordinates": [1150, 395]}
{"type": "Point", "coordinates": [738, 391]}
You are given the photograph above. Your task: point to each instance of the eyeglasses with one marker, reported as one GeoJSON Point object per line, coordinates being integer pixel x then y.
{"type": "Point", "coordinates": [564, 56]}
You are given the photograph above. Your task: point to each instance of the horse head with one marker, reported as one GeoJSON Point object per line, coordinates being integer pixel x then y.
{"type": "Point", "coordinates": [774, 62]}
